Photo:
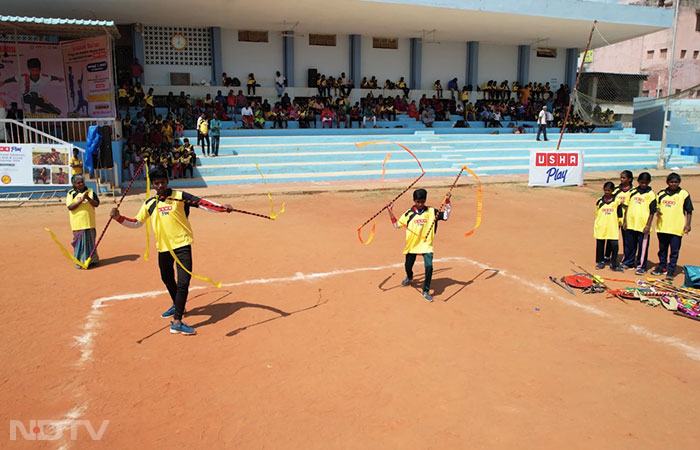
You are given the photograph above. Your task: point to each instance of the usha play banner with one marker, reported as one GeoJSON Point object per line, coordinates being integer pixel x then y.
{"type": "Point", "coordinates": [89, 77]}
{"type": "Point", "coordinates": [556, 168]}
{"type": "Point", "coordinates": [34, 165]}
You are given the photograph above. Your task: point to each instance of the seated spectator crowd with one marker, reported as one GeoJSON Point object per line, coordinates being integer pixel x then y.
{"type": "Point", "coordinates": [501, 102]}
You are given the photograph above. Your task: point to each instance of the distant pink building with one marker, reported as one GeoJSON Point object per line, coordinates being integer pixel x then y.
{"type": "Point", "coordinates": [650, 54]}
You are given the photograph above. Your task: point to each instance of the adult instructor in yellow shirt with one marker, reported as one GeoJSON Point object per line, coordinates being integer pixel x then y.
{"type": "Point", "coordinates": [81, 202]}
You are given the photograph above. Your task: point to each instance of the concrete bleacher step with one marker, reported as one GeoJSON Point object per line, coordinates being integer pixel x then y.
{"type": "Point", "coordinates": [336, 157]}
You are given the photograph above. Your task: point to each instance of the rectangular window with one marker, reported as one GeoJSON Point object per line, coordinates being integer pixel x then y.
{"type": "Point", "coordinates": [252, 36]}
{"type": "Point", "coordinates": [697, 20]}
{"type": "Point", "coordinates": [388, 43]}
{"type": "Point", "coordinates": [327, 40]}
{"type": "Point", "coordinates": [650, 54]}
{"type": "Point", "coordinates": [645, 93]}
{"type": "Point", "coordinates": [683, 52]}
{"type": "Point", "coordinates": [662, 53]}
{"type": "Point", "coordinates": [543, 52]}
{"type": "Point", "coordinates": [695, 54]}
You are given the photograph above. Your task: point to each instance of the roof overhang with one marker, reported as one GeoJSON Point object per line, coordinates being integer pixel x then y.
{"type": "Point", "coordinates": [62, 28]}
{"type": "Point", "coordinates": [546, 23]}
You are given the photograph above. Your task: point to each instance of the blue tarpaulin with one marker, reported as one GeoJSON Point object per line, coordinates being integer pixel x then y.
{"type": "Point", "coordinates": [94, 140]}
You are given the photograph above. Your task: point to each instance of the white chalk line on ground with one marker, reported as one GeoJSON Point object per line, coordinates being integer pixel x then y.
{"type": "Point", "coordinates": [85, 342]}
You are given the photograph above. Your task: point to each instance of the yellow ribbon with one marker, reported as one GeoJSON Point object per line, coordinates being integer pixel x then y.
{"type": "Point", "coordinates": [160, 234]}
{"type": "Point", "coordinates": [273, 216]}
{"type": "Point", "coordinates": [65, 252]}
{"type": "Point", "coordinates": [479, 202]}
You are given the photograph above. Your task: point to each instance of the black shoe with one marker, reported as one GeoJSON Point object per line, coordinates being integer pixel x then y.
{"type": "Point", "coordinates": [406, 281]}
{"type": "Point", "coordinates": [546, 139]}
{"type": "Point", "coordinates": [658, 271]}
{"type": "Point", "coordinates": [600, 265]}
{"type": "Point", "coordinates": [670, 277]}
{"type": "Point", "coordinates": [616, 269]}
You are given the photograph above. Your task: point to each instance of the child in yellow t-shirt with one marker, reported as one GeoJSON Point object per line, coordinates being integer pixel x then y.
{"type": "Point", "coordinates": [641, 207]}
{"type": "Point", "coordinates": [419, 239]}
{"type": "Point", "coordinates": [622, 191]}
{"type": "Point", "coordinates": [438, 88]}
{"type": "Point", "coordinates": [674, 213]}
{"type": "Point", "coordinates": [76, 164]}
{"type": "Point", "coordinates": [606, 228]}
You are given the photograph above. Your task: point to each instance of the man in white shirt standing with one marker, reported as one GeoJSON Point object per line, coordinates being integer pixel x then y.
{"type": "Point", "coordinates": [279, 84]}
{"type": "Point", "coordinates": [542, 123]}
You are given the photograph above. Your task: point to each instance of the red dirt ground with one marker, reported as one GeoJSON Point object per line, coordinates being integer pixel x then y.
{"type": "Point", "coordinates": [500, 360]}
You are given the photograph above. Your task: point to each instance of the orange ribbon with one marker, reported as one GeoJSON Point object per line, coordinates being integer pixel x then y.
{"type": "Point", "coordinates": [371, 219]}
{"type": "Point", "coordinates": [479, 201]}
{"type": "Point", "coordinates": [374, 222]}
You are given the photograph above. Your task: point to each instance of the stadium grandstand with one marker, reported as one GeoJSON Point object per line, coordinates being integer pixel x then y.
{"type": "Point", "coordinates": [287, 86]}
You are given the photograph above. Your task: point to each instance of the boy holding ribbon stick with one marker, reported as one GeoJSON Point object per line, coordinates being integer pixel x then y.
{"type": "Point", "coordinates": [421, 223]}
{"type": "Point", "coordinates": [169, 210]}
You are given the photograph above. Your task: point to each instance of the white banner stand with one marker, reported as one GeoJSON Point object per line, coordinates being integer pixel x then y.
{"type": "Point", "coordinates": [556, 168]}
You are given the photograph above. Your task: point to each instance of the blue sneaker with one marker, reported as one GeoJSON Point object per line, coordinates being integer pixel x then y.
{"type": "Point", "coordinates": [169, 313]}
{"type": "Point", "coordinates": [181, 328]}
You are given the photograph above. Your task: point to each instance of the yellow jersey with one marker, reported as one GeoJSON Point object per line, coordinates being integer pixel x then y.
{"type": "Point", "coordinates": [172, 219]}
{"type": "Point", "coordinates": [640, 204]}
{"type": "Point", "coordinates": [622, 195]}
{"type": "Point", "coordinates": [606, 225]}
{"type": "Point", "coordinates": [673, 208]}
{"type": "Point", "coordinates": [82, 217]}
{"type": "Point", "coordinates": [76, 170]}
{"type": "Point", "coordinates": [416, 224]}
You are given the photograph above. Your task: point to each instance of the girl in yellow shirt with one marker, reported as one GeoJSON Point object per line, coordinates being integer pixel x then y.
{"type": "Point", "coordinates": [675, 211]}
{"type": "Point", "coordinates": [606, 228]}
{"type": "Point", "coordinates": [641, 207]}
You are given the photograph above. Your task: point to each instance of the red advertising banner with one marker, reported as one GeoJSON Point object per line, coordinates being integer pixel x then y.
{"type": "Point", "coordinates": [89, 77]}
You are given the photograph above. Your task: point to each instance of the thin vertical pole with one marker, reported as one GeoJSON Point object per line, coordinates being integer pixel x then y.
{"type": "Point", "coordinates": [661, 163]}
{"type": "Point", "coordinates": [578, 78]}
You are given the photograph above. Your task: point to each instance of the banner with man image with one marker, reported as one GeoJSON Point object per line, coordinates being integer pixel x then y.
{"type": "Point", "coordinates": [32, 76]}
{"type": "Point", "coordinates": [70, 79]}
